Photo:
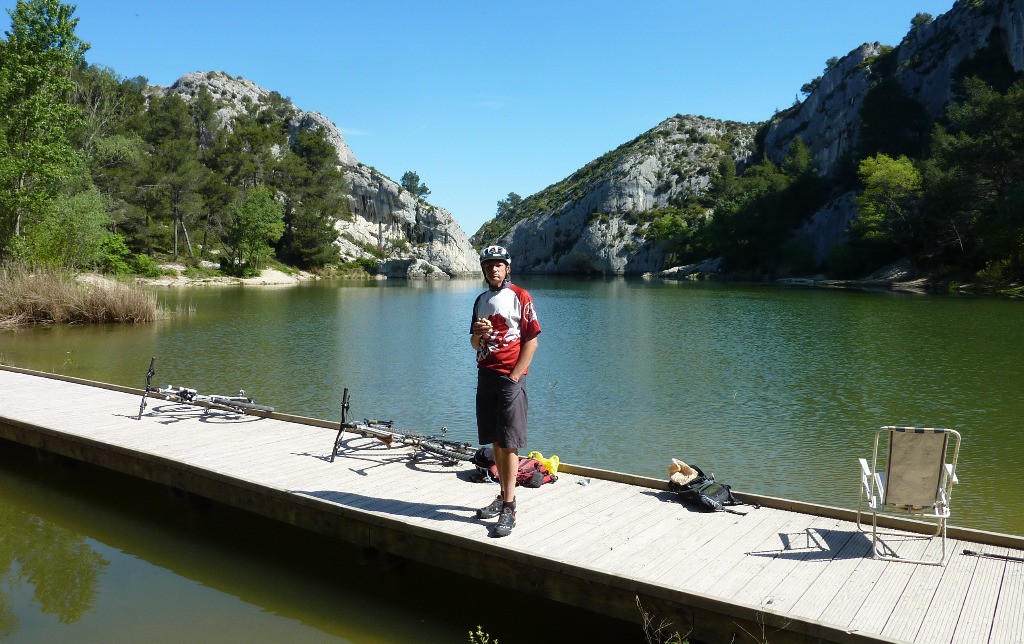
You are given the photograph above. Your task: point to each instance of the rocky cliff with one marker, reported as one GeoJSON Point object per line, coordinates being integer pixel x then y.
{"type": "Point", "coordinates": [924, 64]}
{"type": "Point", "coordinates": [416, 238]}
{"type": "Point", "coordinates": [588, 222]}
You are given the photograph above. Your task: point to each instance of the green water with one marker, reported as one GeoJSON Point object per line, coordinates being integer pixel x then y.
{"type": "Point", "coordinates": [778, 390]}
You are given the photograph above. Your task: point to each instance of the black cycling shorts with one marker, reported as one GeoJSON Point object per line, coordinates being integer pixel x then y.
{"type": "Point", "coordinates": [501, 408]}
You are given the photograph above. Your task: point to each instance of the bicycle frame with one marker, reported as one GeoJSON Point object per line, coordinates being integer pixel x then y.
{"type": "Point", "coordinates": [449, 451]}
{"type": "Point", "coordinates": [240, 402]}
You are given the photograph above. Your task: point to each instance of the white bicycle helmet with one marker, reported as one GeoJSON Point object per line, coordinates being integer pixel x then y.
{"type": "Point", "coordinates": [495, 252]}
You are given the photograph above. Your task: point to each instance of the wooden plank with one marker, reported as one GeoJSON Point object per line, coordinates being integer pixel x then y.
{"type": "Point", "coordinates": [538, 524]}
{"type": "Point", "coordinates": [811, 601]}
{"type": "Point", "coordinates": [651, 537]}
{"type": "Point", "coordinates": [877, 608]}
{"type": "Point", "coordinates": [802, 556]}
{"type": "Point", "coordinates": [978, 615]}
{"type": "Point", "coordinates": [713, 555]}
{"type": "Point", "coordinates": [632, 530]}
{"type": "Point", "coordinates": [1008, 623]}
{"type": "Point", "coordinates": [848, 598]}
{"type": "Point", "coordinates": [939, 623]}
{"type": "Point", "coordinates": [737, 576]}
{"type": "Point", "coordinates": [600, 529]}
{"type": "Point", "coordinates": [912, 605]}
{"type": "Point", "coordinates": [690, 538]}
{"type": "Point", "coordinates": [576, 531]}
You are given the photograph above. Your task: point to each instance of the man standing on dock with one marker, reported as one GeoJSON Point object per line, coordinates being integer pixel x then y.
{"type": "Point", "coordinates": [504, 333]}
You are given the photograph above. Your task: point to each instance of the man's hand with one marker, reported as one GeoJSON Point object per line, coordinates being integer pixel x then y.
{"type": "Point", "coordinates": [482, 327]}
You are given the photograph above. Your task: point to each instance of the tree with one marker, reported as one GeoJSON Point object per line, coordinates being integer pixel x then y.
{"type": "Point", "coordinates": [888, 214]}
{"type": "Point", "coordinates": [110, 105]}
{"type": "Point", "coordinates": [176, 173]}
{"type": "Point", "coordinates": [203, 110]}
{"type": "Point", "coordinates": [973, 179]}
{"type": "Point", "coordinates": [314, 201]}
{"type": "Point", "coordinates": [808, 88]}
{"type": "Point", "coordinates": [798, 161]}
{"type": "Point", "coordinates": [36, 65]}
{"type": "Point", "coordinates": [920, 19]}
{"type": "Point", "coordinates": [411, 182]}
{"type": "Point", "coordinates": [70, 234]}
{"type": "Point", "coordinates": [255, 224]}
{"type": "Point", "coordinates": [247, 155]}
{"type": "Point", "coordinates": [508, 206]}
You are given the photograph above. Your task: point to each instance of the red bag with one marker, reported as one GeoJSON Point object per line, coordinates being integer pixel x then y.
{"type": "Point", "coordinates": [532, 472]}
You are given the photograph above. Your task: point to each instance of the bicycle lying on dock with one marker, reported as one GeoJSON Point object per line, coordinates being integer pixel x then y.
{"type": "Point", "coordinates": [448, 451]}
{"type": "Point", "coordinates": [239, 403]}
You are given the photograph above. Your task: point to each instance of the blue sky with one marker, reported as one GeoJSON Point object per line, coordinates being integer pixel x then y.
{"type": "Point", "coordinates": [484, 98]}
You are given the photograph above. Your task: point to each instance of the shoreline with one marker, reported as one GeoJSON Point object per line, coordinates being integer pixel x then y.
{"type": "Point", "coordinates": [267, 277]}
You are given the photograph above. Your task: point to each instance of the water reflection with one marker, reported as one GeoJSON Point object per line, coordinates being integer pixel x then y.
{"type": "Point", "coordinates": [62, 569]}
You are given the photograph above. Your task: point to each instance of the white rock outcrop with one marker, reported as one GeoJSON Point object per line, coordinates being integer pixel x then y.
{"type": "Point", "coordinates": [595, 229]}
{"type": "Point", "coordinates": [387, 219]}
{"type": "Point", "coordinates": [416, 239]}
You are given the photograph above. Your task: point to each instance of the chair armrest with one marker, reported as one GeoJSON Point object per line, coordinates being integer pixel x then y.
{"type": "Point", "coordinates": [865, 477]}
{"type": "Point", "coordinates": [872, 482]}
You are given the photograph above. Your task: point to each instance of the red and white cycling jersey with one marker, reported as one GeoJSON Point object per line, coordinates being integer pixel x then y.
{"type": "Point", "coordinates": [513, 321]}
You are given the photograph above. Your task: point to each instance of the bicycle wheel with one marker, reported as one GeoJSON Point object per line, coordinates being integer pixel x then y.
{"type": "Point", "coordinates": [449, 449]}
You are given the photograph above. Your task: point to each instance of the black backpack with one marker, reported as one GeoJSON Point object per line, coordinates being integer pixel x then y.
{"type": "Point", "coordinates": [705, 493]}
{"type": "Point", "coordinates": [483, 460]}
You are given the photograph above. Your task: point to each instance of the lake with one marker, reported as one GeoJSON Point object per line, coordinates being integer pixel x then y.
{"type": "Point", "coordinates": [777, 390]}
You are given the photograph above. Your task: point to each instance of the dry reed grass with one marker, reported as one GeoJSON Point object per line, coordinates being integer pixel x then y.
{"type": "Point", "coordinates": [35, 295]}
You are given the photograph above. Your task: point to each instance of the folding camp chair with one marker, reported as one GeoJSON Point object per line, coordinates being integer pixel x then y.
{"type": "Point", "coordinates": [918, 482]}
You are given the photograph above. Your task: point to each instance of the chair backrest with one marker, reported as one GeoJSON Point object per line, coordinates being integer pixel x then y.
{"type": "Point", "coordinates": [914, 470]}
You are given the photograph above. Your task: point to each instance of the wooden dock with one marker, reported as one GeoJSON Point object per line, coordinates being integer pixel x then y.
{"type": "Point", "coordinates": [784, 572]}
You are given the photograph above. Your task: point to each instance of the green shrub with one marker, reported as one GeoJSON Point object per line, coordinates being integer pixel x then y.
{"type": "Point", "coordinates": [145, 266]}
{"type": "Point", "coordinates": [199, 272]}
{"type": "Point", "coordinates": [115, 256]}
{"type": "Point", "coordinates": [994, 272]}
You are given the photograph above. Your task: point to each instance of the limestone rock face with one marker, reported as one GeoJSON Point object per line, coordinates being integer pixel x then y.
{"type": "Point", "coordinates": [828, 120]}
{"type": "Point", "coordinates": [416, 238]}
{"type": "Point", "coordinates": [388, 218]}
{"type": "Point", "coordinates": [592, 223]}
{"type": "Point", "coordinates": [830, 226]}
